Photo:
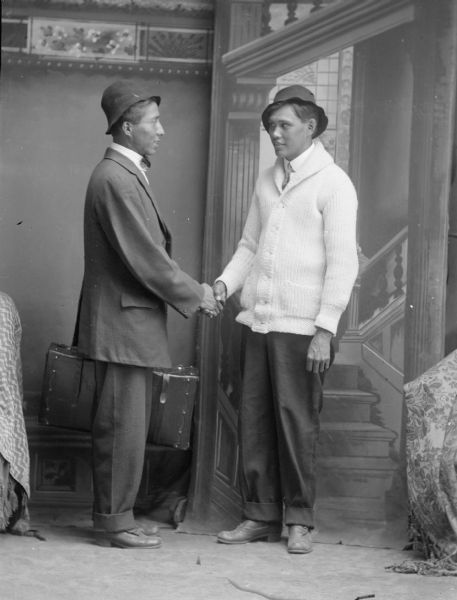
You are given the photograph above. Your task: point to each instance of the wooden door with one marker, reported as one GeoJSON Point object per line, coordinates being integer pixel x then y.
{"type": "Point", "coordinates": [214, 500]}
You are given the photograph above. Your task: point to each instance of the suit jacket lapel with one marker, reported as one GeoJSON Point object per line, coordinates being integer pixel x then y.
{"type": "Point", "coordinates": [129, 165]}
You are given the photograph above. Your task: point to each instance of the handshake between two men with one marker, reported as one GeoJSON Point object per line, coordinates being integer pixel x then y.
{"type": "Point", "coordinates": [213, 299]}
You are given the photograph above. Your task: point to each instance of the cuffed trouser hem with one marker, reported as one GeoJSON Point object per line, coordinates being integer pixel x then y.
{"type": "Point", "coordinates": [297, 515]}
{"type": "Point", "coordinates": [114, 523]}
{"type": "Point", "coordinates": [270, 512]}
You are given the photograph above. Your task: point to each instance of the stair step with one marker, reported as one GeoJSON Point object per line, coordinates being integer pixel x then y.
{"type": "Point", "coordinates": [353, 510]}
{"type": "Point", "coordinates": [358, 439]}
{"type": "Point", "coordinates": [347, 405]}
{"type": "Point", "coordinates": [369, 430]}
{"type": "Point", "coordinates": [361, 477]}
{"type": "Point", "coordinates": [358, 464]}
{"type": "Point", "coordinates": [342, 376]}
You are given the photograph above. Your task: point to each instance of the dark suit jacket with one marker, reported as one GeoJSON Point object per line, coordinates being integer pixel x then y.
{"type": "Point", "coordinates": [129, 276]}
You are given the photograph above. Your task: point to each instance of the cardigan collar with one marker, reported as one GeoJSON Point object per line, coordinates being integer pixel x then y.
{"type": "Point", "coordinates": [317, 160]}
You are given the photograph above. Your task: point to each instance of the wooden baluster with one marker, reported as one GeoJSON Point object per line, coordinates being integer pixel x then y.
{"type": "Point", "coordinates": [373, 292]}
{"type": "Point", "coordinates": [398, 271]}
{"type": "Point", "coordinates": [266, 18]}
{"type": "Point", "coordinates": [353, 308]}
{"type": "Point", "coordinates": [382, 297]}
{"type": "Point", "coordinates": [317, 5]}
{"type": "Point", "coordinates": [291, 13]}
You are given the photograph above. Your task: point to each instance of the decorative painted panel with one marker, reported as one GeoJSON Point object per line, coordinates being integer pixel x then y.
{"type": "Point", "coordinates": [79, 39]}
{"type": "Point", "coordinates": [231, 352]}
{"type": "Point", "coordinates": [15, 34]}
{"type": "Point", "coordinates": [227, 451]}
{"type": "Point", "coordinates": [61, 471]}
{"type": "Point", "coordinates": [175, 44]}
{"type": "Point", "coordinates": [56, 474]}
{"type": "Point", "coordinates": [94, 43]}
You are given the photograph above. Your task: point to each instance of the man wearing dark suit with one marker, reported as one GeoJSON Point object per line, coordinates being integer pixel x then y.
{"type": "Point", "coordinates": [129, 278]}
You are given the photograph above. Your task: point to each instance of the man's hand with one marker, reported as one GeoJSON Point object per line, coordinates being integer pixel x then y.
{"type": "Point", "coordinates": [318, 359]}
{"type": "Point", "coordinates": [220, 292]}
{"type": "Point", "coordinates": [209, 305]}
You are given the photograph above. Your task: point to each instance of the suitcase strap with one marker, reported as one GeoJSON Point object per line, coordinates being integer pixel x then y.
{"type": "Point", "coordinates": [164, 390]}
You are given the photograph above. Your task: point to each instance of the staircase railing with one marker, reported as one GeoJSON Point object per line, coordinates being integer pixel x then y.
{"type": "Point", "coordinates": [380, 284]}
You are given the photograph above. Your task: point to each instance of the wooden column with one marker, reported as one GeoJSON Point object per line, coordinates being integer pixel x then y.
{"type": "Point", "coordinates": [451, 289]}
{"type": "Point", "coordinates": [203, 440]}
{"type": "Point", "coordinates": [245, 22]}
{"type": "Point", "coordinates": [434, 57]}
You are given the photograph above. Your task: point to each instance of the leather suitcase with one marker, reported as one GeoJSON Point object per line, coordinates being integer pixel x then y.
{"type": "Point", "coordinates": [173, 398]}
{"type": "Point", "coordinates": [68, 389]}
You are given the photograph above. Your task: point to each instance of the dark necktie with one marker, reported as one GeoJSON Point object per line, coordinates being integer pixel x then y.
{"type": "Point", "coordinates": [144, 166]}
{"type": "Point", "coordinates": [145, 163]}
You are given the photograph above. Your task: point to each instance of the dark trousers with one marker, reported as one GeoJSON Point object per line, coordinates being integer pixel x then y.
{"type": "Point", "coordinates": [279, 428]}
{"type": "Point", "coordinates": [121, 419]}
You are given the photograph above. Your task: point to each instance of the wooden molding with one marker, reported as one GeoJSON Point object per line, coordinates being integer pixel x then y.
{"type": "Point", "coordinates": [160, 15]}
{"type": "Point", "coordinates": [155, 68]}
{"type": "Point", "coordinates": [321, 34]}
{"type": "Point", "coordinates": [386, 370]}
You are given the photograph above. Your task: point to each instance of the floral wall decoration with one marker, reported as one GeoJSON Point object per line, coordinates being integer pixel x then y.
{"type": "Point", "coordinates": [82, 40]}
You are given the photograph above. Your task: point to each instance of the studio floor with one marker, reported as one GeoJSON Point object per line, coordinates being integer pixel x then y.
{"type": "Point", "coordinates": [66, 565]}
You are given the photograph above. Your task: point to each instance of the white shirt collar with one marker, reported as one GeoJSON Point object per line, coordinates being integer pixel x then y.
{"type": "Point", "coordinates": [298, 162]}
{"type": "Point", "coordinates": [130, 154]}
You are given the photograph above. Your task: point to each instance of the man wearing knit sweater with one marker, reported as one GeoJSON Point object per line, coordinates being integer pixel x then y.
{"type": "Point", "coordinates": [295, 265]}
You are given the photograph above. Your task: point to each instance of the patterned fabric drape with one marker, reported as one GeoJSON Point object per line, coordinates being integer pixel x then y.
{"type": "Point", "coordinates": [14, 455]}
{"type": "Point", "coordinates": [431, 402]}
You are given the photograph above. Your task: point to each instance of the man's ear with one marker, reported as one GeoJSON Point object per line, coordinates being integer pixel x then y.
{"type": "Point", "coordinates": [127, 128]}
{"type": "Point", "coordinates": [312, 124]}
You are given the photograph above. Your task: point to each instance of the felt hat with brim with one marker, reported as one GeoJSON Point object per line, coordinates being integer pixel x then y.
{"type": "Point", "coordinates": [303, 95]}
{"type": "Point", "coordinates": [120, 96]}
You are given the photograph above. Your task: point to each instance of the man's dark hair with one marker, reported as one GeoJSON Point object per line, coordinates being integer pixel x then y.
{"type": "Point", "coordinates": [303, 110]}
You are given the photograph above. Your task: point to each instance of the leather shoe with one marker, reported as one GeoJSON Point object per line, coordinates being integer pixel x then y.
{"type": "Point", "coordinates": [299, 541]}
{"type": "Point", "coordinates": [148, 529]}
{"type": "Point", "coordinates": [249, 531]}
{"type": "Point", "coordinates": [131, 538]}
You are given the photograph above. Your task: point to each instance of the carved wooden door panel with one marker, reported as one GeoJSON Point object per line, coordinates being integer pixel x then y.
{"type": "Point", "coordinates": [241, 167]}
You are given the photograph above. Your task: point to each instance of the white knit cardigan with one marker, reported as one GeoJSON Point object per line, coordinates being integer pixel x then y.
{"type": "Point", "coordinates": [296, 262]}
